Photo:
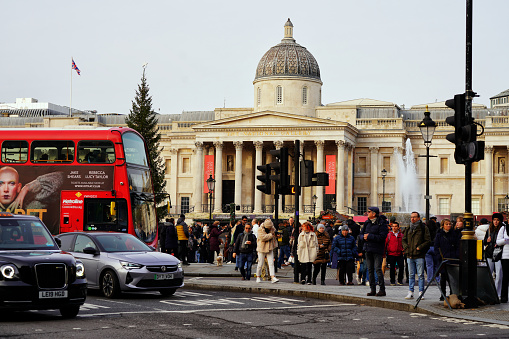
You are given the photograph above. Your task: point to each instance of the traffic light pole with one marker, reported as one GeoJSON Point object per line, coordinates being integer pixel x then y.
{"type": "Point", "coordinates": [296, 161]}
{"type": "Point", "coordinates": [468, 259]}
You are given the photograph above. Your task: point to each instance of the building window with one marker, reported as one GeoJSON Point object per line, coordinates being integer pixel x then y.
{"type": "Point", "coordinates": [258, 96]}
{"type": "Point", "coordinates": [279, 94]}
{"type": "Point", "coordinates": [184, 205]}
{"type": "Point", "coordinates": [362, 165]}
{"type": "Point", "coordinates": [304, 95]}
{"type": "Point", "coordinates": [443, 206]}
{"type": "Point", "coordinates": [362, 205]}
{"type": "Point", "coordinates": [386, 205]}
{"type": "Point", "coordinates": [476, 206]}
{"type": "Point", "coordinates": [502, 205]}
{"type": "Point", "coordinates": [186, 165]}
{"type": "Point", "coordinates": [168, 166]}
{"type": "Point", "coordinates": [387, 164]}
{"type": "Point", "coordinates": [444, 165]}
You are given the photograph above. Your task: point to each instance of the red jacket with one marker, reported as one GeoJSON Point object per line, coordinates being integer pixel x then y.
{"type": "Point", "coordinates": [394, 244]}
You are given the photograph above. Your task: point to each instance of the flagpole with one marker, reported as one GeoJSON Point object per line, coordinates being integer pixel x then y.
{"type": "Point", "coordinates": [70, 104]}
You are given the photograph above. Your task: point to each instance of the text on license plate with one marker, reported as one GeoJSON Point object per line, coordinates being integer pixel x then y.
{"type": "Point", "coordinates": [52, 294]}
{"type": "Point", "coordinates": [163, 276]}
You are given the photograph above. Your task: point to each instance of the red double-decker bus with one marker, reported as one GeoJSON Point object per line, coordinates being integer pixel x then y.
{"type": "Point", "coordinates": [79, 179]}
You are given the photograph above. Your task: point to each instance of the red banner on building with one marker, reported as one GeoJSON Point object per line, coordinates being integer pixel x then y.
{"type": "Point", "coordinates": [330, 168]}
{"type": "Point", "coordinates": [208, 169]}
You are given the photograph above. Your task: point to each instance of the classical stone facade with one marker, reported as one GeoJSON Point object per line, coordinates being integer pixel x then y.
{"type": "Point", "coordinates": [360, 138]}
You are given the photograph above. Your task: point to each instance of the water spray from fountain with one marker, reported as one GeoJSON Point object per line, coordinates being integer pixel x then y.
{"type": "Point", "coordinates": [409, 189]}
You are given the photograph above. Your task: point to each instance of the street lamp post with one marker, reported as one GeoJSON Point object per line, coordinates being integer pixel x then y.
{"type": "Point", "coordinates": [314, 197]}
{"type": "Point", "coordinates": [506, 202]}
{"type": "Point", "coordinates": [211, 185]}
{"type": "Point", "coordinates": [384, 174]}
{"type": "Point", "coordinates": [427, 127]}
{"type": "Point", "coordinates": [333, 205]}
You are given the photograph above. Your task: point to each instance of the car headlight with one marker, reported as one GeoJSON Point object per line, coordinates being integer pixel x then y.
{"type": "Point", "coordinates": [9, 271]}
{"type": "Point", "coordinates": [130, 265]}
{"type": "Point", "coordinates": [80, 270]}
{"type": "Point", "coordinates": [179, 265]}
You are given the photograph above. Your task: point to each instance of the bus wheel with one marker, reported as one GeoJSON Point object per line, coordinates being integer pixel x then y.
{"type": "Point", "coordinates": [109, 284]}
{"type": "Point", "coordinates": [69, 312]}
{"type": "Point", "coordinates": [168, 292]}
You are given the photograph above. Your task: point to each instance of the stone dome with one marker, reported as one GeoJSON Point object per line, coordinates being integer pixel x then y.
{"type": "Point", "coordinates": [288, 58]}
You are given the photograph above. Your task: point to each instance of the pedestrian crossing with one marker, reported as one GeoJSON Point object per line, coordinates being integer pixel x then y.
{"type": "Point", "coordinates": [229, 301]}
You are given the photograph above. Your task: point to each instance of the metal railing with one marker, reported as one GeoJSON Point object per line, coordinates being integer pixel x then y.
{"type": "Point", "coordinates": [268, 209]}
{"type": "Point", "coordinates": [247, 208]}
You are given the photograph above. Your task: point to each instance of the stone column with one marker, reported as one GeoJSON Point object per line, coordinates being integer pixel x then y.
{"type": "Point", "coordinates": [374, 176]}
{"type": "Point", "coordinates": [319, 168]}
{"type": "Point", "coordinates": [238, 173]}
{"type": "Point", "coordinates": [173, 180]}
{"type": "Point", "coordinates": [218, 192]}
{"type": "Point", "coordinates": [350, 174]}
{"type": "Point", "coordinates": [398, 152]}
{"type": "Point", "coordinates": [340, 180]}
{"type": "Point", "coordinates": [278, 144]}
{"type": "Point", "coordinates": [258, 161]}
{"type": "Point", "coordinates": [488, 187]}
{"type": "Point", "coordinates": [301, 198]}
{"type": "Point", "coordinates": [199, 177]}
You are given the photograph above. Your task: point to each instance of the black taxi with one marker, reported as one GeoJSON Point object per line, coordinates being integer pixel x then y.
{"type": "Point", "coordinates": [34, 273]}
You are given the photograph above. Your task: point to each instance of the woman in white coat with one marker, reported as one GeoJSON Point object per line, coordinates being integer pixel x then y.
{"type": "Point", "coordinates": [307, 250]}
{"type": "Point", "coordinates": [503, 240]}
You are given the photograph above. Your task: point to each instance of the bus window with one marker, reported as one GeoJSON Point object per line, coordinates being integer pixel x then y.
{"type": "Point", "coordinates": [15, 151]}
{"type": "Point", "coordinates": [52, 151]}
{"type": "Point", "coordinates": [106, 215]}
{"type": "Point", "coordinates": [99, 152]}
{"type": "Point", "coordinates": [134, 149]}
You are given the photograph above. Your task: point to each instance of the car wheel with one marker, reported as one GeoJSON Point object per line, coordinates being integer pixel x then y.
{"type": "Point", "coordinates": [69, 312]}
{"type": "Point", "coordinates": [168, 292]}
{"type": "Point", "coordinates": [109, 284]}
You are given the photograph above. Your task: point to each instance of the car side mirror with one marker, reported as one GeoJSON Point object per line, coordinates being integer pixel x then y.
{"type": "Point", "coordinates": [58, 241]}
{"type": "Point", "coordinates": [90, 250]}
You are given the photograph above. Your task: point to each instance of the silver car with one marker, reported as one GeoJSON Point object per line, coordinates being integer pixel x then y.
{"type": "Point", "coordinates": [117, 262]}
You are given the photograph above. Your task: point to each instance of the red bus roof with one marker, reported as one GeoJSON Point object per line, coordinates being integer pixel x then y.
{"type": "Point", "coordinates": [61, 133]}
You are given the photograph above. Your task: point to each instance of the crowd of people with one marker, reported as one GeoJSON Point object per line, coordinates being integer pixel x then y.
{"type": "Point", "coordinates": [412, 253]}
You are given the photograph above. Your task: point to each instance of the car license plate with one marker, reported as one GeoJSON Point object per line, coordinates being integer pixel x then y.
{"type": "Point", "coordinates": [163, 276]}
{"type": "Point", "coordinates": [52, 294]}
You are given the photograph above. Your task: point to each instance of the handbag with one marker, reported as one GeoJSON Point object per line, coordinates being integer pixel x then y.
{"type": "Point", "coordinates": [327, 255]}
{"type": "Point", "coordinates": [291, 260]}
{"type": "Point", "coordinates": [497, 253]}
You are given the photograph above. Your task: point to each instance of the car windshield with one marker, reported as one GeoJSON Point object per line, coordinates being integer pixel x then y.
{"type": "Point", "coordinates": [121, 243]}
{"type": "Point", "coordinates": [24, 235]}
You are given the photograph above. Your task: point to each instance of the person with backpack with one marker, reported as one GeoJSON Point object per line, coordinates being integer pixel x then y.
{"type": "Point", "coordinates": [416, 242]}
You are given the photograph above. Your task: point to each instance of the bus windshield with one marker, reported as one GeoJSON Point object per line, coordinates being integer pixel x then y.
{"type": "Point", "coordinates": [134, 149]}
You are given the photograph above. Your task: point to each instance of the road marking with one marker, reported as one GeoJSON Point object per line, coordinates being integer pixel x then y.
{"type": "Point", "coordinates": [202, 302]}
{"type": "Point", "coordinates": [183, 294]}
{"type": "Point", "coordinates": [87, 307]}
{"type": "Point", "coordinates": [209, 310]}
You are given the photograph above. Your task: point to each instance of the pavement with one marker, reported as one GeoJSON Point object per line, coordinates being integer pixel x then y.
{"type": "Point", "coordinates": [225, 278]}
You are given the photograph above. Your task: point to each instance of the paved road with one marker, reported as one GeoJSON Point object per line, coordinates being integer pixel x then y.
{"type": "Point", "coordinates": [213, 314]}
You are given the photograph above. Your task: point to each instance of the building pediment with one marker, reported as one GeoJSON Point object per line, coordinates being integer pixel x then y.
{"type": "Point", "coordinates": [269, 119]}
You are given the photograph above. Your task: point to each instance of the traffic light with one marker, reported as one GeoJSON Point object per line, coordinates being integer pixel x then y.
{"type": "Point", "coordinates": [468, 149]}
{"type": "Point", "coordinates": [321, 179]}
{"type": "Point", "coordinates": [265, 179]}
{"type": "Point", "coordinates": [280, 168]}
{"type": "Point", "coordinates": [306, 173]}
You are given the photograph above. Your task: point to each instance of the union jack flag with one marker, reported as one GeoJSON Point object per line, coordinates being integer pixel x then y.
{"type": "Point", "coordinates": [75, 67]}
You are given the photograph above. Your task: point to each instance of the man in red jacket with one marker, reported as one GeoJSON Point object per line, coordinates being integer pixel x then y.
{"type": "Point", "coordinates": [394, 252]}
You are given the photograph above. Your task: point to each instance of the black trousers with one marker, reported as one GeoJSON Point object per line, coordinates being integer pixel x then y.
{"type": "Point", "coordinates": [505, 279]}
{"type": "Point", "coordinates": [317, 268]}
{"type": "Point", "coordinates": [305, 269]}
{"type": "Point", "coordinates": [346, 267]}
{"type": "Point", "coordinates": [182, 250]}
{"type": "Point", "coordinates": [392, 261]}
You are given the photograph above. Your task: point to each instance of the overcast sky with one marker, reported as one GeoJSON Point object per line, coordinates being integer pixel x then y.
{"type": "Point", "coordinates": [202, 54]}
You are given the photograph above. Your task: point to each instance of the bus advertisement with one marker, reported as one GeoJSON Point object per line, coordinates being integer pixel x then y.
{"type": "Point", "coordinates": [79, 180]}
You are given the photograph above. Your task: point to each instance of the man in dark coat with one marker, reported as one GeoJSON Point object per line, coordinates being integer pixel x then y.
{"type": "Point", "coordinates": [374, 234]}
{"type": "Point", "coordinates": [245, 247]}
{"type": "Point", "coordinates": [171, 238]}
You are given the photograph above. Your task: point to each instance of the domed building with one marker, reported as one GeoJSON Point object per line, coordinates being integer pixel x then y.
{"type": "Point", "coordinates": [288, 78]}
